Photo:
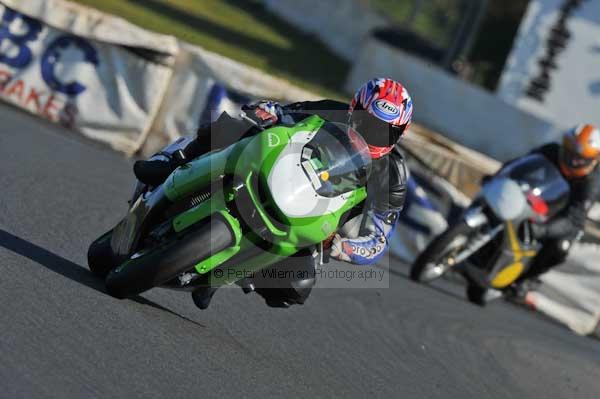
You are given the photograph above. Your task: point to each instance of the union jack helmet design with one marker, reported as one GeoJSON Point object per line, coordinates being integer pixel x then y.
{"type": "Point", "coordinates": [381, 106]}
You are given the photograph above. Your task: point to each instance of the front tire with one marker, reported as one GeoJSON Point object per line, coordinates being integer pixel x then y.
{"type": "Point", "coordinates": [164, 263]}
{"type": "Point", "coordinates": [101, 258]}
{"type": "Point", "coordinates": [428, 266]}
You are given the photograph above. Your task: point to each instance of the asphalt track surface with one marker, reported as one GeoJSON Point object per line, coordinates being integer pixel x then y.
{"type": "Point", "coordinates": [63, 337]}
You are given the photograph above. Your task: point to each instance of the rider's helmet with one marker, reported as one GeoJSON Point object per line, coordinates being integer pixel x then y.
{"type": "Point", "coordinates": [381, 111]}
{"type": "Point", "coordinates": [580, 151]}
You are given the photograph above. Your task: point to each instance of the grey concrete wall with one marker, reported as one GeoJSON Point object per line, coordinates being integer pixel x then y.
{"type": "Point", "coordinates": [341, 24]}
{"type": "Point", "coordinates": [460, 111]}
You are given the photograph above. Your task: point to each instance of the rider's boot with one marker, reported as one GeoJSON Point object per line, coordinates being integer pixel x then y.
{"type": "Point", "coordinates": [153, 172]}
{"type": "Point", "coordinates": [202, 296]}
{"type": "Point", "coordinates": [156, 170]}
{"type": "Point", "coordinates": [480, 295]}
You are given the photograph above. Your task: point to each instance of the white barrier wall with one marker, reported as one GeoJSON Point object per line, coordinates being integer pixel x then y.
{"type": "Point", "coordinates": [88, 82]}
{"type": "Point", "coordinates": [570, 293]}
{"type": "Point", "coordinates": [574, 95]}
{"type": "Point", "coordinates": [461, 111]}
{"type": "Point", "coordinates": [195, 71]}
{"type": "Point", "coordinates": [89, 23]}
{"type": "Point", "coordinates": [341, 24]}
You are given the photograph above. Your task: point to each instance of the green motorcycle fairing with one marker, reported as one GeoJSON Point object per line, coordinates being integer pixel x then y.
{"type": "Point", "coordinates": [297, 179]}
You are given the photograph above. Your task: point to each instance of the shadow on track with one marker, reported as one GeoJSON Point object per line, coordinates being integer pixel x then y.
{"type": "Point", "coordinates": [437, 288]}
{"type": "Point", "coordinates": [68, 269]}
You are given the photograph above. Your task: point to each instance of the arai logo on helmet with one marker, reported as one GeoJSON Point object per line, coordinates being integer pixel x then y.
{"type": "Point", "coordinates": [386, 109]}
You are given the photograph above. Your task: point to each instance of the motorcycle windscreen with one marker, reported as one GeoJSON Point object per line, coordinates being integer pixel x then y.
{"type": "Point", "coordinates": [540, 178]}
{"type": "Point", "coordinates": [336, 160]}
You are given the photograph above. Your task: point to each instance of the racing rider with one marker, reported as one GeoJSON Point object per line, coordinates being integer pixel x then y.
{"type": "Point", "coordinates": [577, 158]}
{"type": "Point", "coordinates": [381, 111]}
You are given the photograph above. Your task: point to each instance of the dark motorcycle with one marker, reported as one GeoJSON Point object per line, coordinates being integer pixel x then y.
{"type": "Point", "coordinates": [492, 244]}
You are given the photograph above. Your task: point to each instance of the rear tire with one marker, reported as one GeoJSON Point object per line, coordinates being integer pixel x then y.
{"type": "Point", "coordinates": [437, 249]}
{"type": "Point", "coordinates": [164, 263]}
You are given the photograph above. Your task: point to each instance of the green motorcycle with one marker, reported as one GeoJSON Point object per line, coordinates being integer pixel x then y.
{"type": "Point", "coordinates": [233, 212]}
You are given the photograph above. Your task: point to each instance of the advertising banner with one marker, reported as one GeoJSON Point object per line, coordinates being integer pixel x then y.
{"type": "Point", "coordinates": [105, 91]}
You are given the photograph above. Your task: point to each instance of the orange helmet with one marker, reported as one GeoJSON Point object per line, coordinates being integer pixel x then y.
{"type": "Point", "coordinates": [580, 151]}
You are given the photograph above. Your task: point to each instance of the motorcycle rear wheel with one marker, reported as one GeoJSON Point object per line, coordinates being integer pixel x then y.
{"type": "Point", "coordinates": [159, 265]}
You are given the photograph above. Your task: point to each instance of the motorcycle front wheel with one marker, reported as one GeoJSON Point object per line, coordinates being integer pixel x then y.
{"type": "Point", "coordinates": [436, 259]}
{"type": "Point", "coordinates": [148, 269]}
{"type": "Point", "coordinates": [101, 258]}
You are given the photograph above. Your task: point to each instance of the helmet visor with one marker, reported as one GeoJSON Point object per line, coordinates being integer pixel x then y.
{"type": "Point", "coordinates": [375, 131]}
{"type": "Point", "coordinates": [574, 161]}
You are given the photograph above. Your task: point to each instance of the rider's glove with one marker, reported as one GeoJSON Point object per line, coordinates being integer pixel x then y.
{"type": "Point", "coordinates": [264, 113]}
{"type": "Point", "coordinates": [341, 249]}
{"type": "Point", "coordinates": [366, 249]}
